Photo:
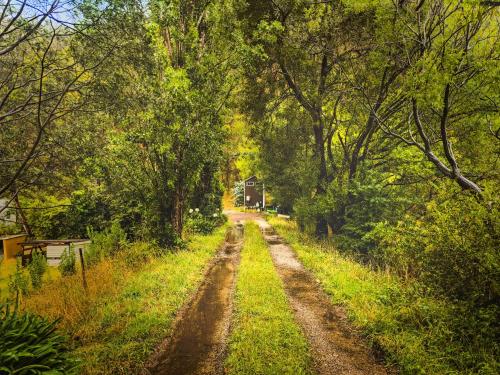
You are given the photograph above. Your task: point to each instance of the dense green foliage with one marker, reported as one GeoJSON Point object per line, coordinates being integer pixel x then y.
{"type": "Point", "coordinates": [453, 247]}
{"type": "Point", "coordinates": [106, 243]}
{"type": "Point", "coordinates": [372, 122]}
{"type": "Point", "coordinates": [377, 124]}
{"type": "Point", "coordinates": [239, 193]}
{"type": "Point", "coordinates": [30, 345]}
{"type": "Point", "coordinates": [196, 222]}
{"type": "Point", "coordinates": [146, 138]}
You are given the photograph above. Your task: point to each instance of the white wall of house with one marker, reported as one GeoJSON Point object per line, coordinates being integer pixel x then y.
{"type": "Point", "coordinates": [8, 216]}
{"type": "Point", "coordinates": [54, 252]}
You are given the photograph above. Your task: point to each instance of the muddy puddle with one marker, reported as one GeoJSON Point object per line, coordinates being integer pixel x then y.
{"type": "Point", "coordinates": [336, 347]}
{"type": "Point", "coordinates": [198, 343]}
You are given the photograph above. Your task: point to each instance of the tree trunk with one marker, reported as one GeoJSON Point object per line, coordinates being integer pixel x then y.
{"type": "Point", "coordinates": [20, 212]}
{"type": "Point", "coordinates": [319, 154]}
{"type": "Point", "coordinates": [337, 219]}
{"type": "Point", "coordinates": [321, 227]}
{"type": "Point", "coordinates": [178, 211]}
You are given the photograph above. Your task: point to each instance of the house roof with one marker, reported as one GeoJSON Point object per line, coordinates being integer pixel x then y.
{"type": "Point", "coordinates": [12, 236]}
{"type": "Point", "coordinates": [55, 242]}
{"type": "Point", "coordinates": [249, 178]}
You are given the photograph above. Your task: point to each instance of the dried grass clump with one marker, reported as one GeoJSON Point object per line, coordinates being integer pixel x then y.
{"type": "Point", "coordinates": [66, 297]}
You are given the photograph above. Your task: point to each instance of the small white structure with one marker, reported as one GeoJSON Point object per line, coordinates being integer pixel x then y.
{"type": "Point", "coordinates": [54, 252]}
{"type": "Point", "coordinates": [284, 216]}
{"type": "Point", "coordinates": [8, 215]}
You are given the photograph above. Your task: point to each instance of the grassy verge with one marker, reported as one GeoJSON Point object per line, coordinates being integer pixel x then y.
{"type": "Point", "coordinates": [129, 306]}
{"type": "Point", "coordinates": [411, 328]}
{"type": "Point", "coordinates": [265, 338]}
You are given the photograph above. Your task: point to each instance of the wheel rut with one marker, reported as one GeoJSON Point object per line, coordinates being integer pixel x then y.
{"type": "Point", "coordinates": [198, 342]}
{"type": "Point", "coordinates": [336, 347]}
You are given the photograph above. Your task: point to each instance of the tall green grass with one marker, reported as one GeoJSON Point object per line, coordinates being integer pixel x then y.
{"type": "Point", "coordinates": [416, 331]}
{"type": "Point", "coordinates": [265, 339]}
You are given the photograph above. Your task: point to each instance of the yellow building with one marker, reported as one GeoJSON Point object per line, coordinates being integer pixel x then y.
{"type": "Point", "coordinates": [10, 245]}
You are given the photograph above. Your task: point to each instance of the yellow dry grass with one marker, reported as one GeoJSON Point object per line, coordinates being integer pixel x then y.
{"type": "Point", "coordinates": [67, 299]}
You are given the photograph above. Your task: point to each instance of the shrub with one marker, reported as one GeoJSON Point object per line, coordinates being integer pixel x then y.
{"type": "Point", "coordinates": [198, 223]}
{"type": "Point", "coordinates": [452, 248]}
{"type": "Point", "coordinates": [48, 223]}
{"type": "Point", "coordinates": [67, 266]}
{"type": "Point", "coordinates": [221, 219]}
{"type": "Point", "coordinates": [171, 238]}
{"type": "Point", "coordinates": [18, 283]}
{"type": "Point", "coordinates": [308, 210]}
{"type": "Point", "coordinates": [106, 243]}
{"type": "Point", "coordinates": [114, 239]}
{"type": "Point", "coordinates": [9, 228]}
{"type": "Point", "coordinates": [93, 254]}
{"type": "Point", "coordinates": [68, 217]}
{"type": "Point", "coordinates": [238, 194]}
{"type": "Point", "coordinates": [139, 253]}
{"type": "Point", "coordinates": [31, 345]}
{"type": "Point", "coordinates": [37, 268]}
{"type": "Point", "coordinates": [461, 258]}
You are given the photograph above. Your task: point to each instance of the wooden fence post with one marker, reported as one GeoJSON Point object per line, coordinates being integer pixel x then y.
{"type": "Point", "coordinates": [82, 262]}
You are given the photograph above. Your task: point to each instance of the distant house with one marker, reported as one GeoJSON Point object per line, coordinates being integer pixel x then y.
{"type": "Point", "coordinates": [7, 216]}
{"type": "Point", "coordinates": [254, 193]}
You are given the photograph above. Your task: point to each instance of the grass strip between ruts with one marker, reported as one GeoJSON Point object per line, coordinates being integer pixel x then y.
{"type": "Point", "coordinates": [265, 338]}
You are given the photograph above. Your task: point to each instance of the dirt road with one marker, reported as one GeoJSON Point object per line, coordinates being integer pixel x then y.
{"type": "Point", "coordinates": [198, 344]}
{"type": "Point", "coordinates": [337, 348]}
